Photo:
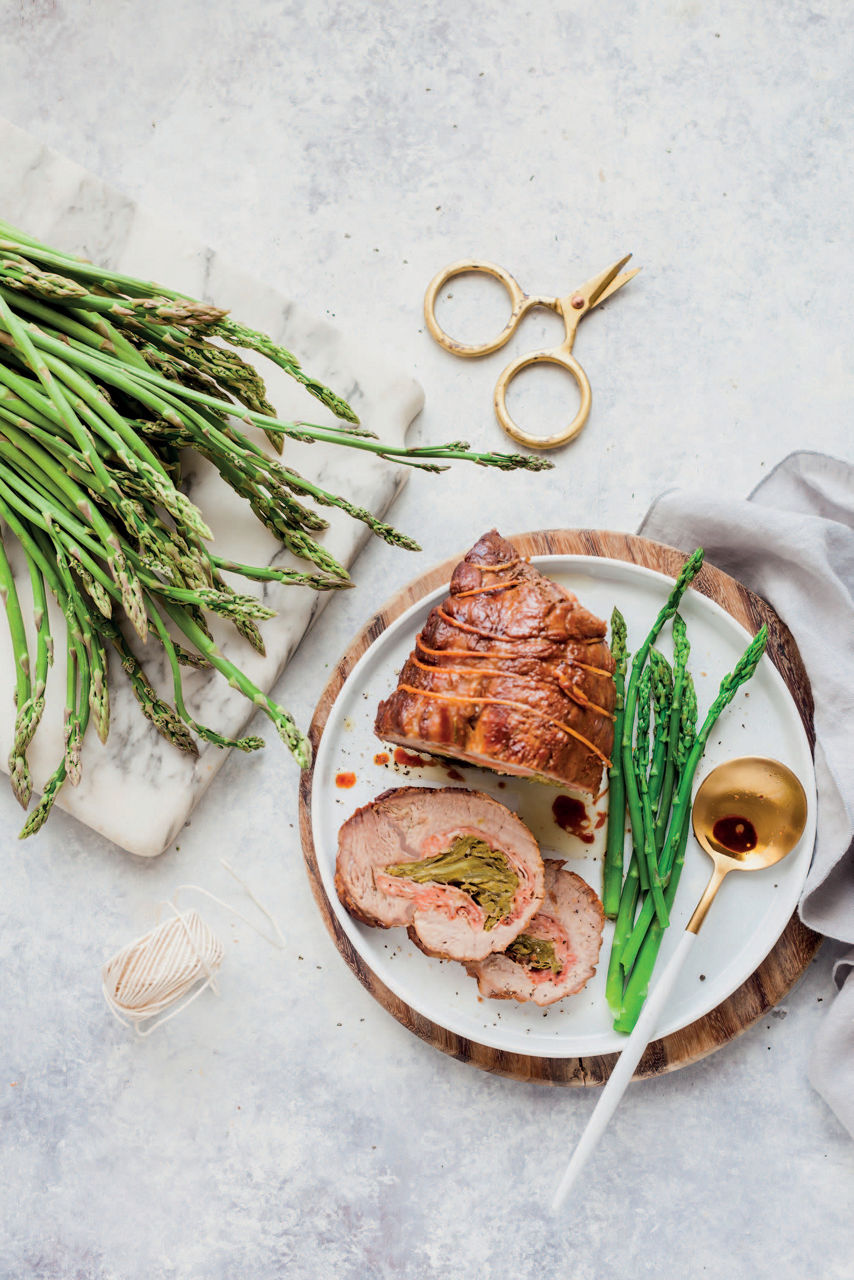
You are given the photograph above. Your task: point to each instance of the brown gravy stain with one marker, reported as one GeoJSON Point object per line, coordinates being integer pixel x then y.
{"type": "Point", "coordinates": [345, 779]}
{"type": "Point", "coordinates": [410, 760]}
{"type": "Point", "coordinates": [382, 757]}
{"type": "Point", "coordinates": [735, 833]}
{"type": "Point", "coordinates": [455, 775]}
{"type": "Point", "coordinates": [571, 816]}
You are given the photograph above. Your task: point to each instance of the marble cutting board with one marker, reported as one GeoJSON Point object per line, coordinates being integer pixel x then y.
{"type": "Point", "coordinates": [139, 790]}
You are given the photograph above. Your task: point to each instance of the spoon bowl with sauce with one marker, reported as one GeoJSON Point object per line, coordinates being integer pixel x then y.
{"type": "Point", "coordinates": [747, 815]}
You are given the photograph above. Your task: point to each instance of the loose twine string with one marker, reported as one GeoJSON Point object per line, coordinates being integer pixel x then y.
{"type": "Point", "coordinates": [161, 969]}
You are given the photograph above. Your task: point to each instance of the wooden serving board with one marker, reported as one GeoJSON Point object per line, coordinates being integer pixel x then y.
{"type": "Point", "coordinates": [769, 982]}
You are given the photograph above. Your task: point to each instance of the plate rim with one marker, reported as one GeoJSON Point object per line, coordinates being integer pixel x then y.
{"type": "Point", "coordinates": [588, 546]}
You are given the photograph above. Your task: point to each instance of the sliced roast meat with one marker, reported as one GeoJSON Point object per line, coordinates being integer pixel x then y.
{"type": "Point", "coordinates": [457, 868]}
{"type": "Point", "coordinates": [556, 954]}
{"type": "Point", "coordinates": [510, 672]}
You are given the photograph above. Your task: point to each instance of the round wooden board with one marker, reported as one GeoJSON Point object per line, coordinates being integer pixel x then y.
{"type": "Point", "coordinates": [763, 989]}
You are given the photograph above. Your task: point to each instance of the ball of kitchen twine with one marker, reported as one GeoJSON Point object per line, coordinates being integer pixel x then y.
{"type": "Point", "coordinates": [174, 963]}
{"type": "Point", "coordinates": [157, 971]}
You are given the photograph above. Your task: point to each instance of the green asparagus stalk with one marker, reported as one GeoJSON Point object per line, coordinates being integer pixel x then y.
{"type": "Point", "coordinates": [681, 652]}
{"type": "Point", "coordinates": [662, 694]}
{"type": "Point", "coordinates": [76, 721]}
{"type": "Point", "coordinates": [165, 720]}
{"type": "Point", "coordinates": [210, 735]}
{"type": "Point", "coordinates": [613, 870]}
{"type": "Point", "coordinates": [622, 929]}
{"type": "Point", "coordinates": [289, 733]}
{"type": "Point", "coordinates": [18, 769]}
{"type": "Point", "coordinates": [688, 572]}
{"type": "Point", "coordinates": [636, 987]}
{"type": "Point", "coordinates": [99, 693]}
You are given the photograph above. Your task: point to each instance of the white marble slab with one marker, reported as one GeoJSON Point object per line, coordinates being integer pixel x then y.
{"type": "Point", "coordinates": [138, 790]}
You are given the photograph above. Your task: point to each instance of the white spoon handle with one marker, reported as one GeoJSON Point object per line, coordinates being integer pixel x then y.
{"type": "Point", "coordinates": [643, 1033]}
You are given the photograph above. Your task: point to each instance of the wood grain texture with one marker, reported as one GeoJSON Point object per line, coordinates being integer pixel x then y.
{"type": "Point", "coordinates": [763, 989]}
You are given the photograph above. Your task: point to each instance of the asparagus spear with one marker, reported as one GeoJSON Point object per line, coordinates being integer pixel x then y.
{"type": "Point", "coordinates": [613, 870]}
{"type": "Point", "coordinates": [662, 693]}
{"type": "Point", "coordinates": [210, 735]}
{"type": "Point", "coordinates": [681, 678]}
{"type": "Point", "coordinates": [76, 721]}
{"type": "Point", "coordinates": [18, 770]}
{"type": "Point", "coordinates": [622, 929]}
{"type": "Point", "coordinates": [642, 766]}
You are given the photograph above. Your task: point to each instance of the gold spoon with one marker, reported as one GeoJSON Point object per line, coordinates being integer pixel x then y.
{"type": "Point", "coordinates": [748, 814]}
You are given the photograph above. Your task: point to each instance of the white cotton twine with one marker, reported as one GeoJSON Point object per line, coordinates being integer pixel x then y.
{"type": "Point", "coordinates": [157, 971]}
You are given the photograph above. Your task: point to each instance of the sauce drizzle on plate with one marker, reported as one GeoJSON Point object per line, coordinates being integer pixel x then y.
{"type": "Point", "coordinates": [571, 815]}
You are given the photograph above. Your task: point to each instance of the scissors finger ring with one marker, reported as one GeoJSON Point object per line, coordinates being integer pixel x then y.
{"type": "Point", "coordinates": [571, 308]}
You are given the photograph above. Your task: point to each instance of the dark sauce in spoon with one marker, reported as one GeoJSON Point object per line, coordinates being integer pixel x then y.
{"type": "Point", "coordinates": [735, 833]}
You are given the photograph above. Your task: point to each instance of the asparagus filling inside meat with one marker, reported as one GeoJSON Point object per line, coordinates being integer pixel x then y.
{"type": "Point", "coordinates": [469, 864]}
{"type": "Point", "coordinates": [534, 953]}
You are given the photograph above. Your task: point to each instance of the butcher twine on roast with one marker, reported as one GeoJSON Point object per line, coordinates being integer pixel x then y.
{"type": "Point", "coordinates": [556, 954]}
{"type": "Point", "coordinates": [456, 867]}
{"type": "Point", "coordinates": [510, 672]}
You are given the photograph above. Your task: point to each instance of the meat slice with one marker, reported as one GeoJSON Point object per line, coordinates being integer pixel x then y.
{"type": "Point", "coordinates": [510, 672]}
{"type": "Point", "coordinates": [556, 954]}
{"type": "Point", "coordinates": [480, 881]}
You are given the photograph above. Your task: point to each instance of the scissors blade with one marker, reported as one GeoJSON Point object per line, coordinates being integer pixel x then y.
{"type": "Point", "coordinates": [606, 283]}
{"type": "Point", "coordinates": [616, 283]}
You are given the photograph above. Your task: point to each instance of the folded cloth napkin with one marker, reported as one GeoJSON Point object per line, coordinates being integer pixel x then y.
{"type": "Point", "coordinates": [792, 543]}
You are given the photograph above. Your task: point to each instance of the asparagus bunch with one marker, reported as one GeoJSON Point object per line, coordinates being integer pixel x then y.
{"type": "Point", "coordinates": [105, 383]}
{"type": "Point", "coordinates": [657, 750]}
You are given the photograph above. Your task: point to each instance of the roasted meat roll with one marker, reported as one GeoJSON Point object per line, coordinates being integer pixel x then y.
{"type": "Point", "coordinates": [457, 868]}
{"type": "Point", "coordinates": [556, 954]}
{"type": "Point", "coordinates": [510, 672]}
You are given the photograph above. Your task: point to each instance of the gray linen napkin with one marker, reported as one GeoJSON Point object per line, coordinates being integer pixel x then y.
{"type": "Point", "coordinates": [792, 542]}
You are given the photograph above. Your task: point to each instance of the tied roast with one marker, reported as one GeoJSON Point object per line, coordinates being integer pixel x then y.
{"type": "Point", "coordinates": [511, 673]}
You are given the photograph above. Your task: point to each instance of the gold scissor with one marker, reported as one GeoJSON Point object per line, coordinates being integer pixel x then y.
{"type": "Point", "coordinates": [572, 308]}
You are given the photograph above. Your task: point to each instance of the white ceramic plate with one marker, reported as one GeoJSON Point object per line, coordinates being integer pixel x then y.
{"type": "Point", "coordinates": [750, 913]}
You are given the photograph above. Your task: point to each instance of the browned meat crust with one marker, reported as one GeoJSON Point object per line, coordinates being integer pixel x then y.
{"type": "Point", "coordinates": [509, 672]}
